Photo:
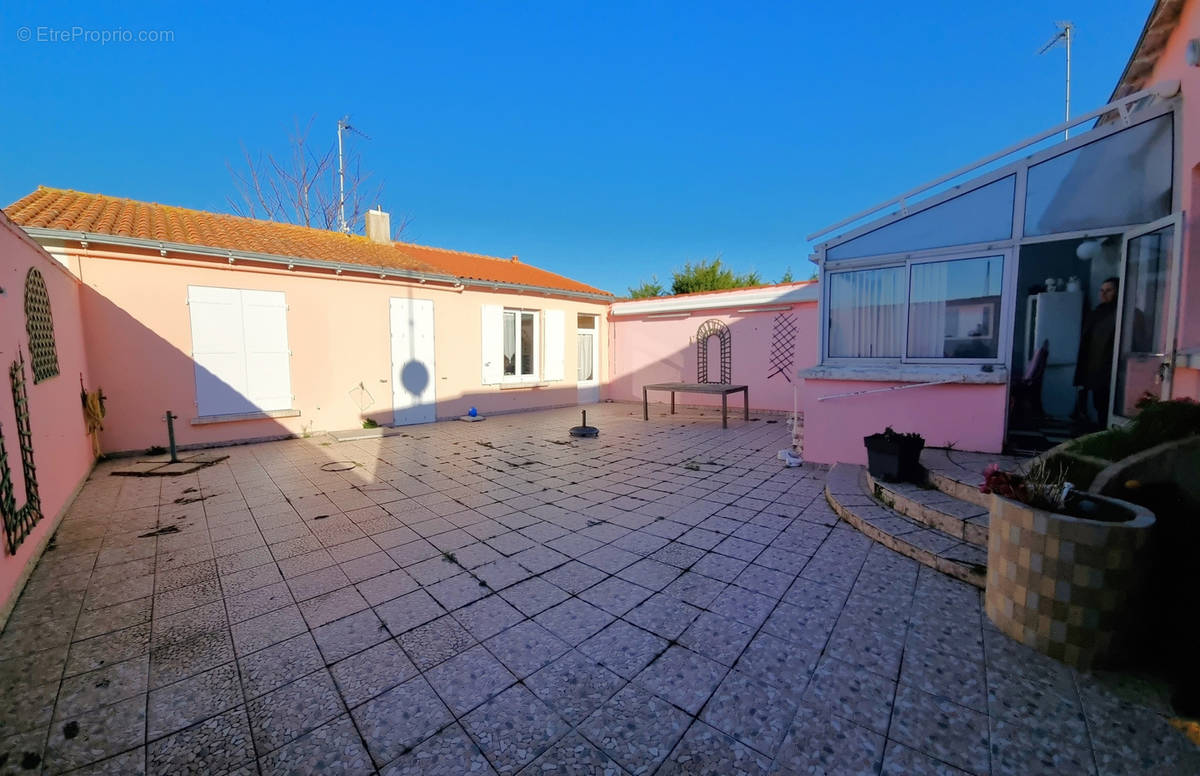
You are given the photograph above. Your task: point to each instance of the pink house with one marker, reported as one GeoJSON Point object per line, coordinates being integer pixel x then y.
{"type": "Point", "coordinates": [249, 329]}
{"type": "Point", "coordinates": [963, 309]}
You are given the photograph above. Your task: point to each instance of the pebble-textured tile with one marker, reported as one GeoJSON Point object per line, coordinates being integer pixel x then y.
{"type": "Point", "coordinates": [344, 637]}
{"type": "Point", "coordinates": [294, 709]}
{"type": "Point", "coordinates": [84, 692]}
{"type": "Point", "coordinates": [449, 753]}
{"type": "Point", "coordinates": [941, 729]}
{"type": "Point", "coordinates": [186, 702]}
{"type": "Point", "coordinates": [711, 591]}
{"type": "Point", "coordinates": [435, 642]}
{"type": "Point", "coordinates": [573, 620]}
{"type": "Point", "coordinates": [822, 742]}
{"type": "Point", "coordinates": [526, 647]}
{"type": "Point", "coordinates": [572, 755]}
{"type": "Point", "coordinates": [899, 760]}
{"type": "Point", "coordinates": [399, 719]}
{"type": "Point", "coordinates": [409, 611]}
{"type": "Point", "coordinates": [273, 667]}
{"type": "Point", "coordinates": [682, 677]}
{"type": "Point", "coordinates": [860, 696]}
{"type": "Point", "coordinates": [636, 729]}
{"type": "Point", "coordinates": [753, 712]}
{"type": "Point", "coordinates": [333, 748]}
{"type": "Point", "coordinates": [717, 637]}
{"type": "Point", "coordinates": [369, 673]}
{"type": "Point", "coordinates": [216, 745]}
{"type": "Point", "coordinates": [514, 728]}
{"type": "Point", "coordinates": [574, 686]}
{"type": "Point", "coordinates": [623, 648]}
{"type": "Point", "coordinates": [706, 751]}
{"type": "Point", "coordinates": [95, 735]}
{"type": "Point", "coordinates": [469, 679]}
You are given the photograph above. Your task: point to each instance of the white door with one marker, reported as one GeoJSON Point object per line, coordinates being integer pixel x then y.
{"type": "Point", "coordinates": [1147, 311]}
{"type": "Point", "coordinates": [587, 346]}
{"type": "Point", "coordinates": [413, 396]}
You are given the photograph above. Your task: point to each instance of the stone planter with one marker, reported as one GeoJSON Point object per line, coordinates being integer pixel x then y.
{"type": "Point", "coordinates": [1066, 585]}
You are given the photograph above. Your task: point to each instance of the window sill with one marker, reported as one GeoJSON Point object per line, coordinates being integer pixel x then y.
{"type": "Point", "coordinates": [205, 420]}
{"type": "Point", "coordinates": [972, 374]}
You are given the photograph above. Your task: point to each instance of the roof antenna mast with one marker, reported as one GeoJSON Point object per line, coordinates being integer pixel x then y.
{"type": "Point", "coordinates": [1065, 30]}
{"type": "Point", "coordinates": [343, 125]}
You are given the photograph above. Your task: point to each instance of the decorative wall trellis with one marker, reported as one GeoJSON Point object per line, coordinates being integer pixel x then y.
{"type": "Point", "coordinates": [19, 522]}
{"type": "Point", "coordinates": [783, 346]}
{"type": "Point", "coordinates": [39, 323]}
{"type": "Point", "coordinates": [714, 328]}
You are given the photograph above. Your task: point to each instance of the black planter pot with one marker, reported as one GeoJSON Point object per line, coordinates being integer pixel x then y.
{"type": "Point", "coordinates": [894, 457]}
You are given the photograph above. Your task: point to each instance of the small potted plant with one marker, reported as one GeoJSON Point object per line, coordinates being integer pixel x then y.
{"type": "Point", "coordinates": [895, 457]}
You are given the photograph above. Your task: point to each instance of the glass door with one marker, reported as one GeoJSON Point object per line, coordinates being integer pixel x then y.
{"type": "Point", "coordinates": [1144, 350]}
{"type": "Point", "coordinates": [588, 361]}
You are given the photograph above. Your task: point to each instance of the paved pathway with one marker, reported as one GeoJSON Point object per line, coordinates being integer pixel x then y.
{"type": "Point", "coordinates": [491, 598]}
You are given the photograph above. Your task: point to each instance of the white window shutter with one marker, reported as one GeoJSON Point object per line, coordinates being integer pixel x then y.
{"type": "Point", "coordinates": [218, 350]}
{"type": "Point", "coordinates": [493, 343]}
{"type": "Point", "coordinates": [268, 361]}
{"type": "Point", "coordinates": [555, 346]}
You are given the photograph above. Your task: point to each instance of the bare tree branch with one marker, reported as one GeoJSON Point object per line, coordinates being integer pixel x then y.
{"type": "Point", "coordinates": [302, 188]}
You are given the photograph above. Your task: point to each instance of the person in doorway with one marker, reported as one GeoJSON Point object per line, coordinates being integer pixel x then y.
{"type": "Point", "coordinates": [1093, 367]}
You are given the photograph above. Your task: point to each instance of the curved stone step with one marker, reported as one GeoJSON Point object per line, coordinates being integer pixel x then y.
{"type": "Point", "coordinates": [959, 473]}
{"type": "Point", "coordinates": [849, 495]}
{"type": "Point", "coordinates": [964, 520]}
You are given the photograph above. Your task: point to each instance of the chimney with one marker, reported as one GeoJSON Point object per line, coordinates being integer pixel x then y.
{"type": "Point", "coordinates": [379, 226]}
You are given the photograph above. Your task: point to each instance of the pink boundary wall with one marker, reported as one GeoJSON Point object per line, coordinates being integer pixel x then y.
{"type": "Point", "coordinates": [61, 448]}
{"type": "Point", "coordinates": [969, 417]}
{"type": "Point", "coordinates": [662, 350]}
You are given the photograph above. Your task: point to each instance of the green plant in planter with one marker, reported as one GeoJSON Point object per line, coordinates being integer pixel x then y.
{"type": "Point", "coordinates": [370, 423]}
{"type": "Point", "coordinates": [1156, 422]}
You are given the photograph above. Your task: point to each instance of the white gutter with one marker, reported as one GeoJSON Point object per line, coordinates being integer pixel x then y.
{"type": "Point", "coordinates": [738, 298]}
{"type": "Point", "coordinates": [295, 261]}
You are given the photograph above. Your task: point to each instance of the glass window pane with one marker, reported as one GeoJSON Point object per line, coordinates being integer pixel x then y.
{"type": "Point", "coordinates": [584, 341]}
{"type": "Point", "coordinates": [586, 322]}
{"type": "Point", "coordinates": [1122, 179]}
{"type": "Point", "coordinates": [977, 216]}
{"type": "Point", "coordinates": [954, 308]}
{"type": "Point", "coordinates": [1144, 337]}
{"type": "Point", "coordinates": [526, 344]}
{"type": "Point", "coordinates": [510, 343]}
{"type": "Point", "coordinates": [866, 313]}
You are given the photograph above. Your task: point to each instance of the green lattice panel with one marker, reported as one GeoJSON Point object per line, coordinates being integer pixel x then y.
{"type": "Point", "coordinates": [39, 323]}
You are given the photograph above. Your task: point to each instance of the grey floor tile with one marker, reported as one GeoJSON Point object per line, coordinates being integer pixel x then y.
{"type": "Point", "coordinates": [186, 702]}
{"type": "Point", "coordinates": [574, 686]}
{"type": "Point", "coordinates": [333, 748]}
{"type": "Point", "coordinates": [95, 735]}
{"type": "Point", "coordinates": [514, 728]}
{"type": "Point", "coordinates": [526, 647]}
{"type": "Point", "coordinates": [449, 753]}
{"type": "Point", "coordinates": [219, 744]}
{"type": "Point", "coordinates": [636, 729]}
{"type": "Point", "coordinates": [294, 709]}
{"type": "Point", "coordinates": [399, 719]}
{"type": "Point", "coordinates": [371, 672]}
{"type": "Point", "coordinates": [821, 742]}
{"type": "Point", "coordinates": [706, 751]}
{"type": "Point", "coordinates": [682, 677]}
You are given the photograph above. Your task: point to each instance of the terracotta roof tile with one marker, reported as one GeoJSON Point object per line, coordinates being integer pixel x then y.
{"type": "Point", "coordinates": [98, 214]}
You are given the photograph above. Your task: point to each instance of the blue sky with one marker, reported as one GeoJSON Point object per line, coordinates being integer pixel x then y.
{"type": "Point", "coordinates": [603, 141]}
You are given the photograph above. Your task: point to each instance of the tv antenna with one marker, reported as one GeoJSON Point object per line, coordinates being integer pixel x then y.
{"type": "Point", "coordinates": [343, 125]}
{"type": "Point", "coordinates": [1065, 30]}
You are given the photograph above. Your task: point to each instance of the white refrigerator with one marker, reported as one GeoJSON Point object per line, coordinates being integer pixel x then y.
{"type": "Point", "coordinates": [1057, 317]}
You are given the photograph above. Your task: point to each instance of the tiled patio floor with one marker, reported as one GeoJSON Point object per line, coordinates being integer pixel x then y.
{"type": "Point", "coordinates": [480, 598]}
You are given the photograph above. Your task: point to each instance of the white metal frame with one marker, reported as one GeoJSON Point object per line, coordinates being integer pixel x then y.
{"type": "Point", "coordinates": [1123, 107]}
{"type": "Point", "coordinates": [396, 368]}
{"type": "Point", "coordinates": [1009, 248]}
{"type": "Point", "coordinates": [1167, 367]}
{"type": "Point", "coordinates": [1007, 309]}
{"type": "Point", "coordinates": [520, 377]}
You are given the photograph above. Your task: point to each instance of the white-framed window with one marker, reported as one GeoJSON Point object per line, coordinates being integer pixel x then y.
{"type": "Point", "coordinates": [925, 310]}
{"type": "Point", "coordinates": [520, 345]}
{"type": "Point", "coordinates": [240, 350]}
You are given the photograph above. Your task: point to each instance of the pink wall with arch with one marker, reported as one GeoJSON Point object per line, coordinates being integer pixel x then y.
{"type": "Point", "coordinates": [657, 350]}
